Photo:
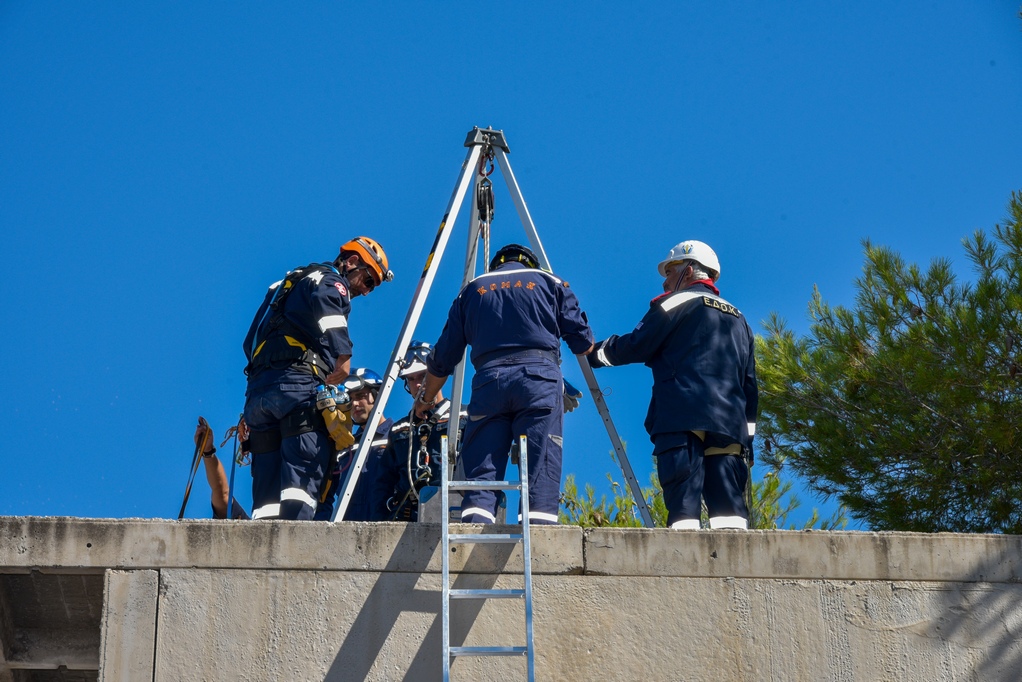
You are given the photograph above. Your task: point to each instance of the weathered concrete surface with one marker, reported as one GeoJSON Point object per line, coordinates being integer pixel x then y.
{"type": "Point", "coordinates": [128, 647]}
{"type": "Point", "coordinates": [805, 554]}
{"type": "Point", "coordinates": [257, 601]}
{"type": "Point", "coordinates": [98, 544]}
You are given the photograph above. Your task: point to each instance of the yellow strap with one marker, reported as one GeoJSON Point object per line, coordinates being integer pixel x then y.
{"type": "Point", "coordinates": [291, 341]}
{"type": "Point", "coordinates": [259, 348]}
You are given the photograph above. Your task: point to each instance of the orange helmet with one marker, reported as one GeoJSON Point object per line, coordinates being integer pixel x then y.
{"type": "Point", "coordinates": [373, 255]}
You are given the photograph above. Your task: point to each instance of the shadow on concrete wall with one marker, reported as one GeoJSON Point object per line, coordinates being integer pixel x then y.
{"type": "Point", "coordinates": [382, 609]}
{"type": "Point", "coordinates": [985, 617]}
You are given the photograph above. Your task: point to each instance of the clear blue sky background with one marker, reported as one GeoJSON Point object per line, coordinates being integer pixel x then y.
{"type": "Point", "coordinates": [161, 164]}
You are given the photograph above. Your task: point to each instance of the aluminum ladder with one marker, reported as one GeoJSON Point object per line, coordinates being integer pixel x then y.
{"type": "Point", "coordinates": [521, 485]}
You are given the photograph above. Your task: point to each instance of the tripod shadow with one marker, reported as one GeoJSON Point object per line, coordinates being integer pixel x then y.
{"type": "Point", "coordinates": [395, 593]}
{"type": "Point", "coordinates": [984, 616]}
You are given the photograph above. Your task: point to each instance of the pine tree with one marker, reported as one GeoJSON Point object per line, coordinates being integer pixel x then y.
{"type": "Point", "coordinates": [908, 405]}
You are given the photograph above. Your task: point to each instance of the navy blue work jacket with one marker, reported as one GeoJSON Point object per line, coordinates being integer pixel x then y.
{"type": "Point", "coordinates": [701, 351]}
{"type": "Point", "coordinates": [317, 312]}
{"type": "Point", "coordinates": [509, 309]}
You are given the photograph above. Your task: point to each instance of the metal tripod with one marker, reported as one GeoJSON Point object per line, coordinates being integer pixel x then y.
{"type": "Point", "coordinates": [483, 144]}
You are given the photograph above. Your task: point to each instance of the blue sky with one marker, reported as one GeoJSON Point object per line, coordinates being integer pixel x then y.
{"type": "Point", "coordinates": [161, 164]}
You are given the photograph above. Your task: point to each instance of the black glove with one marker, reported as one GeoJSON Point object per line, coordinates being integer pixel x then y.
{"type": "Point", "coordinates": [594, 361]}
{"type": "Point", "coordinates": [571, 396]}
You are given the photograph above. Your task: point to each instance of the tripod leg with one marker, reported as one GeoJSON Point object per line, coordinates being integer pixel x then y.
{"type": "Point", "coordinates": [458, 381]}
{"type": "Point", "coordinates": [436, 253]}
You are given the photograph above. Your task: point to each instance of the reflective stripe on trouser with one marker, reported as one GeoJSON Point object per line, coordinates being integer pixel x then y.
{"type": "Point", "coordinates": [298, 466]}
{"type": "Point", "coordinates": [290, 478]}
{"type": "Point", "coordinates": [507, 401]}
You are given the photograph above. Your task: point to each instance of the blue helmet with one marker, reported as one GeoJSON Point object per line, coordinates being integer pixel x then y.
{"type": "Point", "coordinates": [415, 358]}
{"type": "Point", "coordinates": [363, 378]}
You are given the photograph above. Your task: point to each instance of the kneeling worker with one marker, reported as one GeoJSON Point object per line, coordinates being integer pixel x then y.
{"type": "Point", "coordinates": [703, 410]}
{"type": "Point", "coordinates": [513, 317]}
{"type": "Point", "coordinates": [414, 456]}
{"type": "Point", "coordinates": [369, 499]}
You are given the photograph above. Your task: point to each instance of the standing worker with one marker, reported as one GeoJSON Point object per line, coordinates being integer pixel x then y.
{"type": "Point", "coordinates": [297, 342]}
{"type": "Point", "coordinates": [513, 317]}
{"type": "Point", "coordinates": [703, 412]}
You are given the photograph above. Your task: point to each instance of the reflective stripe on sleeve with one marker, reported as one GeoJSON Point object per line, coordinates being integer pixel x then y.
{"type": "Point", "coordinates": [729, 522]}
{"type": "Point", "coordinates": [298, 494]}
{"type": "Point", "coordinates": [267, 511]}
{"type": "Point", "coordinates": [476, 511]}
{"type": "Point", "coordinates": [602, 357]}
{"type": "Point", "coordinates": [333, 322]}
{"type": "Point", "coordinates": [752, 428]}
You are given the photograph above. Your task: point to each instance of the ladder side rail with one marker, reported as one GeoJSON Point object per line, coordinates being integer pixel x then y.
{"type": "Point", "coordinates": [587, 371]}
{"type": "Point", "coordinates": [445, 562]}
{"type": "Point", "coordinates": [523, 475]}
{"type": "Point", "coordinates": [408, 327]}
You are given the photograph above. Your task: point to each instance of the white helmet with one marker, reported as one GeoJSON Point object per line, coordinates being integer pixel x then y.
{"type": "Point", "coordinates": [415, 359]}
{"type": "Point", "coordinates": [692, 250]}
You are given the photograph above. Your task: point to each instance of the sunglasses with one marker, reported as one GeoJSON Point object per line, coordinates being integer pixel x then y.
{"type": "Point", "coordinates": [368, 281]}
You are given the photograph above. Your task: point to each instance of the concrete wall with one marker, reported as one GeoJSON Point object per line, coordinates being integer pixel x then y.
{"type": "Point", "coordinates": [262, 601]}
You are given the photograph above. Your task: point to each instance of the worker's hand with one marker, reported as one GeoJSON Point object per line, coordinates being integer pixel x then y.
{"type": "Point", "coordinates": [243, 434]}
{"type": "Point", "coordinates": [596, 357]}
{"type": "Point", "coordinates": [572, 396]}
{"type": "Point", "coordinates": [201, 436]}
{"type": "Point", "coordinates": [422, 409]}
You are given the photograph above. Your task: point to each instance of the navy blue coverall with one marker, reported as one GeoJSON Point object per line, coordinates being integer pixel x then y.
{"type": "Point", "coordinates": [288, 469]}
{"type": "Point", "coordinates": [514, 318]}
{"type": "Point", "coordinates": [369, 499]}
{"type": "Point", "coordinates": [701, 351]}
{"type": "Point", "coordinates": [403, 506]}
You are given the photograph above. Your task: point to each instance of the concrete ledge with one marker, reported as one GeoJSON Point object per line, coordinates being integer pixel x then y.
{"type": "Point", "coordinates": [96, 544]}
{"type": "Point", "coordinates": [834, 555]}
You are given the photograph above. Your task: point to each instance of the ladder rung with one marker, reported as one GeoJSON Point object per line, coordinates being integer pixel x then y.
{"type": "Point", "coordinates": [488, 538]}
{"type": "Point", "coordinates": [486, 594]}
{"type": "Point", "coordinates": [484, 485]}
{"type": "Point", "coordinates": [489, 650]}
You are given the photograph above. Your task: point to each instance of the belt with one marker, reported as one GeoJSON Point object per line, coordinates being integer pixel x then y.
{"type": "Point", "coordinates": [514, 356]}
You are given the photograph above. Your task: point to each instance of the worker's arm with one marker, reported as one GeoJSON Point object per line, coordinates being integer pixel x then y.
{"type": "Point", "coordinates": [426, 399]}
{"type": "Point", "coordinates": [215, 474]}
{"type": "Point", "coordinates": [342, 368]}
{"type": "Point", "coordinates": [218, 485]}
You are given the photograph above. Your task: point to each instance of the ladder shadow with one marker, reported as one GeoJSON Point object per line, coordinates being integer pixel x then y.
{"type": "Point", "coordinates": [395, 593]}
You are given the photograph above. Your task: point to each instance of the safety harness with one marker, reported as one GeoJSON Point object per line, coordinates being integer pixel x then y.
{"type": "Point", "coordinates": [279, 343]}
{"type": "Point", "coordinates": [422, 469]}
